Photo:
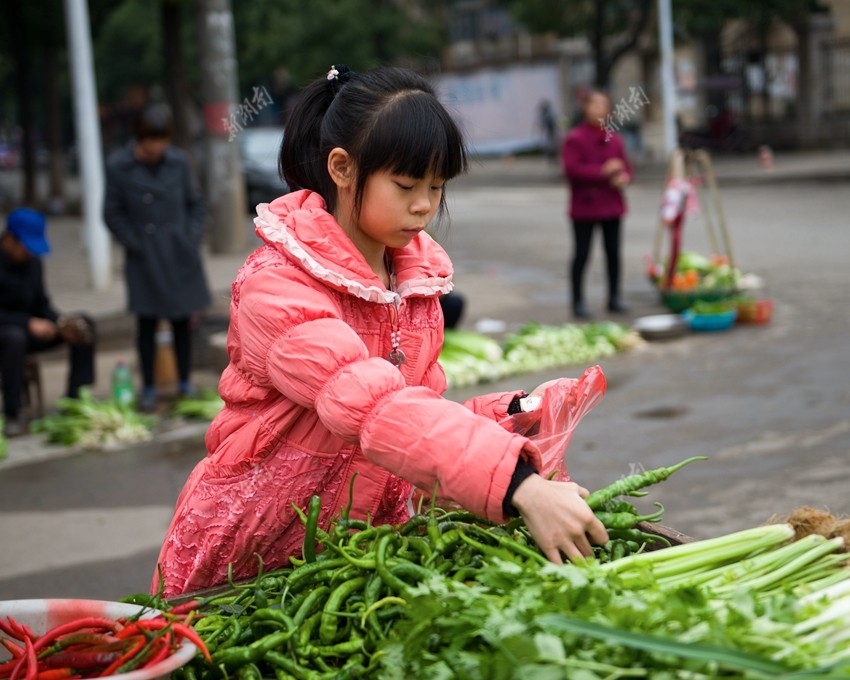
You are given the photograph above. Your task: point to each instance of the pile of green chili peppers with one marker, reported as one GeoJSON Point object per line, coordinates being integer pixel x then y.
{"type": "Point", "coordinates": [327, 615]}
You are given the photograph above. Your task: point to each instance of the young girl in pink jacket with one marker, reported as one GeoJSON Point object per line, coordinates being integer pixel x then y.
{"type": "Point", "coordinates": [335, 331]}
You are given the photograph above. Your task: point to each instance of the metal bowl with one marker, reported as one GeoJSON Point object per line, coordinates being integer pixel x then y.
{"type": "Point", "coordinates": [660, 326]}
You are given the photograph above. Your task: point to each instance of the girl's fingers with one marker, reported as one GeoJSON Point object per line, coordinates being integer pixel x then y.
{"type": "Point", "coordinates": [575, 553]}
{"type": "Point", "coordinates": [553, 555]}
{"type": "Point", "coordinates": [598, 533]}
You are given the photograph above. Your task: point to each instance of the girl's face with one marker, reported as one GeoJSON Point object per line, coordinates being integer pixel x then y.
{"type": "Point", "coordinates": [394, 209]}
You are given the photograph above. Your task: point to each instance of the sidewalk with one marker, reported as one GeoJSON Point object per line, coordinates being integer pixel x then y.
{"type": "Point", "coordinates": [67, 272]}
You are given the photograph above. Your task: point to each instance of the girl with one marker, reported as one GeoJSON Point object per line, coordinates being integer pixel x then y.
{"type": "Point", "coordinates": [334, 336]}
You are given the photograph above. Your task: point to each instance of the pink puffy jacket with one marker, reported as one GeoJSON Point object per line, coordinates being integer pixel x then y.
{"type": "Point", "coordinates": [310, 400]}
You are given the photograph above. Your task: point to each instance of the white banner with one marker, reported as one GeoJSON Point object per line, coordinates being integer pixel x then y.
{"type": "Point", "coordinates": [499, 109]}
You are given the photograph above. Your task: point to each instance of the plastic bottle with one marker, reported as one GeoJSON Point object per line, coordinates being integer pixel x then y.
{"type": "Point", "coordinates": [122, 384]}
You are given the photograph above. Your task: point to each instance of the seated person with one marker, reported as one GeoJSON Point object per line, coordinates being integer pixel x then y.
{"type": "Point", "coordinates": [452, 304]}
{"type": "Point", "coordinates": [28, 321]}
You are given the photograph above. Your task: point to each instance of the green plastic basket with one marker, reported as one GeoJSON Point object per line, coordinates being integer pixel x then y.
{"type": "Point", "coordinates": [680, 300]}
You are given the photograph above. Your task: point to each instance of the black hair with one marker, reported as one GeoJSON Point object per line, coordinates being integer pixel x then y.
{"type": "Point", "coordinates": [386, 119]}
{"type": "Point", "coordinates": [153, 122]}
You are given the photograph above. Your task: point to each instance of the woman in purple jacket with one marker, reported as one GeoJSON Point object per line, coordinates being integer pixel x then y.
{"type": "Point", "coordinates": [597, 170]}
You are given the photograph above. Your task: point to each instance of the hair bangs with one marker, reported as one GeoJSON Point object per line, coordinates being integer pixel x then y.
{"type": "Point", "coordinates": [414, 136]}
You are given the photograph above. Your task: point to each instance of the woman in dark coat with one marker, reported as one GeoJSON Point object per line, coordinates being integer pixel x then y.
{"type": "Point", "coordinates": [154, 209]}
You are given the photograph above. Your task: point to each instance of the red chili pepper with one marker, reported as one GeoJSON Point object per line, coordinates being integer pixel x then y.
{"type": "Point", "coordinates": [26, 664]}
{"type": "Point", "coordinates": [183, 630]}
{"type": "Point", "coordinates": [14, 649]}
{"type": "Point", "coordinates": [32, 661]}
{"type": "Point", "coordinates": [79, 660]}
{"type": "Point", "coordinates": [93, 622]}
{"type": "Point", "coordinates": [16, 669]}
{"type": "Point", "coordinates": [15, 630]}
{"type": "Point", "coordinates": [79, 640]}
{"type": "Point", "coordinates": [7, 667]}
{"type": "Point", "coordinates": [185, 608]}
{"type": "Point", "coordinates": [139, 641]}
{"type": "Point", "coordinates": [165, 650]}
{"type": "Point", "coordinates": [57, 674]}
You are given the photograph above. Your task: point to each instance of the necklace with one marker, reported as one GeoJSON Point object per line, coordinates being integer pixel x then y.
{"type": "Point", "coordinates": [396, 356]}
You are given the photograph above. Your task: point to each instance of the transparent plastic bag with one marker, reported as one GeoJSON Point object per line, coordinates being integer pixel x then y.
{"type": "Point", "coordinates": [565, 402]}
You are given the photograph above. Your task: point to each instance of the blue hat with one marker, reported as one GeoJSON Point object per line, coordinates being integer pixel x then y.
{"type": "Point", "coordinates": [29, 226]}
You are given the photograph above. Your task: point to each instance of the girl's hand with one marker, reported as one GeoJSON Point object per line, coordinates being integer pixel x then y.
{"type": "Point", "coordinates": [558, 518]}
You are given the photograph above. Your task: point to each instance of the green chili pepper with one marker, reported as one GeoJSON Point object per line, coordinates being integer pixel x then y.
{"type": "Point", "coordinates": [632, 483]}
{"type": "Point", "coordinates": [308, 548]}
{"type": "Point", "coordinates": [309, 603]}
{"type": "Point", "coordinates": [306, 631]}
{"type": "Point", "coordinates": [638, 536]}
{"type": "Point", "coordinates": [347, 509]}
{"type": "Point", "coordinates": [393, 582]}
{"type": "Point", "coordinates": [342, 649]}
{"type": "Point", "coordinates": [619, 505]}
{"type": "Point", "coordinates": [292, 667]}
{"type": "Point", "coordinates": [413, 525]}
{"type": "Point", "coordinates": [249, 672]}
{"type": "Point", "coordinates": [627, 520]}
{"type": "Point", "coordinates": [309, 572]}
{"type": "Point", "coordinates": [328, 624]}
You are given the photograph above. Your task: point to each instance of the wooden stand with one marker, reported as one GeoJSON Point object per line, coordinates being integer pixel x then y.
{"type": "Point", "coordinates": [695, 167]}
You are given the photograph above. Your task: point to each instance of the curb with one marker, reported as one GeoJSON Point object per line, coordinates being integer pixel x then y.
{"type": "Point", "coordinates": [170, 436]}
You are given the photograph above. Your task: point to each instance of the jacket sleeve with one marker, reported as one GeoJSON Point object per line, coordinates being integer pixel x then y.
{"type": "Point", "coordinates": [42, 306]}
{"type": "Point", "coordinates": [494, 405]}
{"type": "Point", "coordinates": [115, 211]}
{"type": "Point", "coordinates": [625, 158]}
{"type": "Point", "coordinates": [576, 167]}
{"type": "Point", "coordinates": [317, 360]}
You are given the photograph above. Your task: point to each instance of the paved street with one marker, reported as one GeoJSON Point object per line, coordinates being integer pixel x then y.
{"type": "Point", "coordinates": [769, 405]}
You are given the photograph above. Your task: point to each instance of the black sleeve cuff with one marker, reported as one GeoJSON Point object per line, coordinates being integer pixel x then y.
{"type": "Point", "coordinates": [514, 407]}
{"type": "Point", "coordinates": [522, 472]}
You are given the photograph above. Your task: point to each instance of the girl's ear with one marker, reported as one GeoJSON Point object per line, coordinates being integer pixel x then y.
{"type": "Point", "coordinates": [341, 167]}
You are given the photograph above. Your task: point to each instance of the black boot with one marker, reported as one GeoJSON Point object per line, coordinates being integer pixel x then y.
{"type": "Point", "coordinates": [615, 304]}
{"type": "Point", "coordinates": [580, 310]}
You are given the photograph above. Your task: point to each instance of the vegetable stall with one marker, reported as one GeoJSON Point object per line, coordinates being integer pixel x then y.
{"type": "Point", "coordinates": [450, 595]}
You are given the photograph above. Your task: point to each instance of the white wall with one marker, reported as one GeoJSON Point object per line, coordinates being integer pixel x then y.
{"type": "Point", "coordinates": [497, 107]}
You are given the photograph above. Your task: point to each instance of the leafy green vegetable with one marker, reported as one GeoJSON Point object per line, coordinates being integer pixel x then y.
{"type": "Point", "coordinates": [91, 423]}
{"type": "Point", "coordinates": [203, 407]}
{"type": "Point", "coordinates": [470, 358]}
{"type": "Point", "coordinates": [712, 307]}
{"type": "Point", "coordinates": [689, 259]}
{"type": "Point", "coordinates": [4, 443]}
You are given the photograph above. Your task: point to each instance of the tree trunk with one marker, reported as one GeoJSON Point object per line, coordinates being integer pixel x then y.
{"type": "Point", "coordinates": [713, 67]}
{"type": "Point", "coordinates": [225, 187]}
{"type": "Point", "coordinates": [56, 186]}
{"type": "Point", "coordinates": [605, 60]}
{"type": "Point", "coordinates": [601, 68]}
{"type": "Point", "coordinates": [23, 92]}
{"type": "Point", "coordinates": [175, 72]}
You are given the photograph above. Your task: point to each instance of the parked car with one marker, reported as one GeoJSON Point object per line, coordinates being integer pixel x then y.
{"type": "Point", "coordinates": [259, 148]}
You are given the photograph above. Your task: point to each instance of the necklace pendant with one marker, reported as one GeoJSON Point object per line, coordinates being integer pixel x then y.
{"type": "Point", "coordinates": [396, 357]}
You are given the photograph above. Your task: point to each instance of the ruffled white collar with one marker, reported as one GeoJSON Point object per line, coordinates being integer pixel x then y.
{"type": "Point", "coordinates": [300, 226]}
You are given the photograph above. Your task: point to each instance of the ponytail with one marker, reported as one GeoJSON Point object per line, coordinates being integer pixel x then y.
{"type": "Point", "coordinates": [386, 119]}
